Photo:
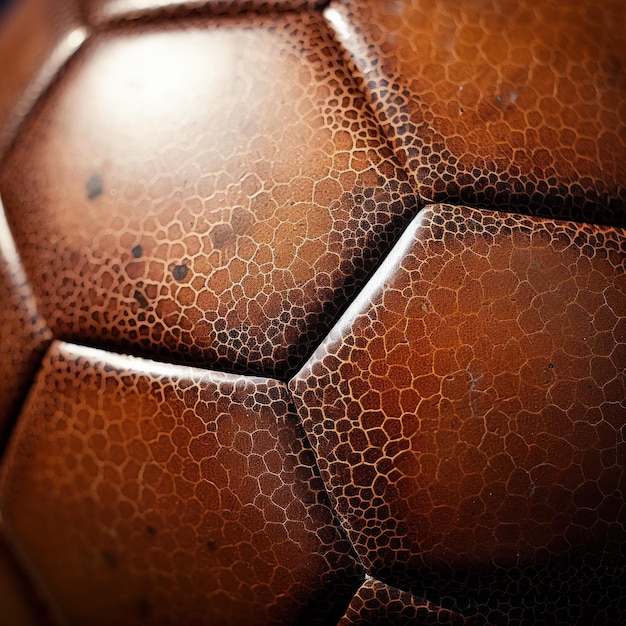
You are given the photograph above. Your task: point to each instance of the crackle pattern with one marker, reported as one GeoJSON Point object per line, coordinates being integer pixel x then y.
{"type": "Point", "coordinates": [149, 492]}
{"type": "Point", "coordinates": [101, 12]}
{"type": "Point", "coordinates": [376, 603]}
{"type": "Point", "coordinates": [468, 410]}
{"type": "Point", "coordinates": [213, 188]}
{"type": "Point", "coordinates": [23, 335]}
{"type": "Point", "coordinates": [208, 191]}
{"type": "Point", "coordinates": [516, 105]}
{"type": "Point", "coordinates": [36, 39]}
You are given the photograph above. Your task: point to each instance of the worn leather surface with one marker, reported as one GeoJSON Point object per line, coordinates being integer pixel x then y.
{"type": "Point", "coordinates": [355, 404]}
{"type": "Point", "coordinates": [466, 412]}
{"type": "Point", "coordinates": [377, 603]}
{"type": "Point", "coordinates": [23, 334]}
{"type": "Point", "coordinates": [36, 39]}
{"type": "Point", "coordinates": [163, 207]}
{"type": "Point", "coordinates": [172, 495]}
{"type": "Point", "coordinates": [102, 12]}
{"type": "Point", "coordinates": [508, 104]}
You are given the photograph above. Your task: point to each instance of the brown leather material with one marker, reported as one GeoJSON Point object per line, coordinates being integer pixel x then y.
{"type": "Point", "coordinates": [234, 191]}
{"type": "Point", "coordinates": [19, 606]}
{"type": "Point", "coordinates": [169, 493]}
{"type": "Point", "coordinates": [516, 105]}
{"type": "Point", "coordinates": [103, 12]}
{"type": "Point", "coordinates": [164, 208]}
{"type": "Point", "coordinates": [23, 334]}
{"type": "Point", "coordinates": [376, 603]}
{"type": "Point", "coordinates": [467, 411]}
{"type": "Point", "coordinates": [36, 39]}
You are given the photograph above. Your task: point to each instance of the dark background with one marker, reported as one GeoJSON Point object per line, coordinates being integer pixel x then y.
{"type": "Point", "coordinates": [3, 5]}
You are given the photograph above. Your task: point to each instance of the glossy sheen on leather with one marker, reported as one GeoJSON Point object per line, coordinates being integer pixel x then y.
{"type": "Point", "coordinates": [171, 496]}
{"type": "Point", "coordinates": [208, 191]}
{"type": "Point", "coordinates": [36, 39]}
{"type": "Point", "coordinates": [376, 603]}
{"type": "Point", "coordinates": [105, 11]}
{"type": "Point", "coordinates": [519, 105]}
{"type": "Point", "coordinates": [23, 335]}
{"type": "Point", "coordinates": [467, 411]}
{"type": "Point", "coordinates": [185, 160]}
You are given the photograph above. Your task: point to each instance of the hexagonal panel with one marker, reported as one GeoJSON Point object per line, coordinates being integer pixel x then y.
{"type": "Point", "coordinates": [143, 491]}
{"type": "Point", "coordinates": [468, 413]}
{"type": "Point", "coordinates": [510, 105]}
{"type": "Point", "coordinates": [213, 192]}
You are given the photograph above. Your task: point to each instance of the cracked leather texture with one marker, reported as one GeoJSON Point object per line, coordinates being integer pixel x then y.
{"type": "Point", "coordinates": [23, 335]}
{"type": "Point", "coordinates": [46, 34]}
{"type": "Point", "coordinates": [467, 412]}
{"type": "Point", "coordinates": [377, 603]}
{"type": "Point", "coordinates": [347, 404]}
{"type": "Point", "coordinates": [172, 495]}
{"type": "Point", "coordinates": [102, 12]}
{"type": "Point", "coordinates": [509, 105]}
{"type": "Point", "coordinates": [219, 215]}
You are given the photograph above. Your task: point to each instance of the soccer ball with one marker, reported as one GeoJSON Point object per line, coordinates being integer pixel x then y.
{"type": "Point", "coordinates": [313, 314]}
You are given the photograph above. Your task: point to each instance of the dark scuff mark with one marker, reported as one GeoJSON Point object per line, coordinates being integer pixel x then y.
{"type": "Point", "coordinates": [222, 234]}
{"type": "Point", "coordinates": [144, 608]}
{"type": "Point", "coordinates": [110, 558]}
{"type": "Point", "coordinates": [94, 186]}
{"type": "Point", "coordinates": [137, 251]}
{"type": "Point", "coordinates": [180, 271]}
{"type": "Point", "coordinates": [143, 301]}
{"type": "Point", "coordinates": [241, 220]}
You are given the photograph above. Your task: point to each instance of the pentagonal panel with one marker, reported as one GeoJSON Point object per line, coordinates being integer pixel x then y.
{"type": "Point", "coordinates": [144, 492]}
{"type": "Point", "coordinates": [103, 11]}
{"type": "Point", "coordinates": [46, 34]}
{"type": "Point", "coordinates": [23, 335]}
{"type": "Point", "coordinates": [377, 603]}
{"type": "Point", "coordinates": [210, 191]}
{"type": "Point", "coordinates": [468, 413]}
{"type": "Point", "coordinates": [514, 105]}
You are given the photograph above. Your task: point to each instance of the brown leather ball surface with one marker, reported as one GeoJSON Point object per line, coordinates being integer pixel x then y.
{"type": "Point", "coordinates": [312, 313]}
